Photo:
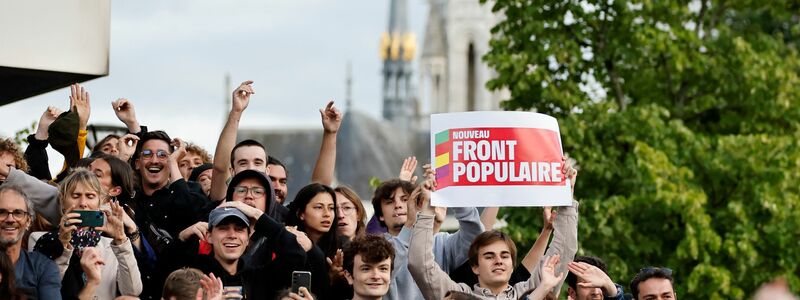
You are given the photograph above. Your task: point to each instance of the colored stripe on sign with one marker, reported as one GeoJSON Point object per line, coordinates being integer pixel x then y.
{"type": "Point", "coordinates": [442, 137]}
{"type": "Point", "coordinates": [442, 160]}
{"type": "Point", "coordinates": [442, 172]}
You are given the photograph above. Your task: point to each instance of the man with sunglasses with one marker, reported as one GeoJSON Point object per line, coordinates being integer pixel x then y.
{"type": "Point", "coordinates": [36, 276]}
{"type": "Point", "coordinates": [653, 283]}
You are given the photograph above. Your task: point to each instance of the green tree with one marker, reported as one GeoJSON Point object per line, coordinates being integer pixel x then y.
{"type": "Point", "coordinates": [684, 118]}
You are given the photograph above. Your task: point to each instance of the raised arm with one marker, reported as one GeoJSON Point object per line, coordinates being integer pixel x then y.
{"type": "Point", "coordinates": [43, 195]}
{"type": "Point", "coordinates": [129, 279]}
{"type": "Point", "coordinates": [326, 162]}
{"type": "Point", "coordinates": [432, 281]}
{"type": "Point", "coordinates": [407, 169]}
{"type": "Point", "coordinates": [489, 217]}
{"type": "Point", "coordinates": [565, 236]}
{"type": "Point", "coordinates": [125, 112]}
{"type": "Point", "coordinates": [538, 248]}
{"type": "Point", "coordinates": [180, 151]}
{"type": "Point", "coordinates": [469, 226]}
{"type": "Point", "coordinates": [227, 139]}
{"type": "Point", "coordinates": [36, 152]}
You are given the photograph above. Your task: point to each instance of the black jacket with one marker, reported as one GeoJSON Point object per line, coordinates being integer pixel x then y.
{"type": "Point", "coordinates": [266, 272]}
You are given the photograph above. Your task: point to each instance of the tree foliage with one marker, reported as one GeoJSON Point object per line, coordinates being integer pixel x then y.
{"type": "Point", "coordinates": [684, 118]}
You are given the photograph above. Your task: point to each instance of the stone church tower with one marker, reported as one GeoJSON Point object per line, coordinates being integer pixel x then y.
{"type": "Point", "coordinates": [397, 50]}
{"type": "Point", "coordinates": [453, 76]}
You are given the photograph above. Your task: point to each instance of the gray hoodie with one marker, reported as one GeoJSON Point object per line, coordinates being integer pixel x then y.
{"type": "Point", "coordinates": [435, 283]}
{"type": "Point", "coordinates": [449, 250]}
{"type": "Point", "coordinates": [44, 196]}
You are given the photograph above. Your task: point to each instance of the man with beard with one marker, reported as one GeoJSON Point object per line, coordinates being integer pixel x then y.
{"type": "Point", "coordinates": [279, 177]}
{"type": "Point", "coordinates": [35, 275]}
{"type": "Point", "coordinates": [252, 155]}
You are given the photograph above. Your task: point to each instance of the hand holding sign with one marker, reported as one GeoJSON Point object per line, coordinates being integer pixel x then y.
{"type": "Point", "coordinates": [498, 159]}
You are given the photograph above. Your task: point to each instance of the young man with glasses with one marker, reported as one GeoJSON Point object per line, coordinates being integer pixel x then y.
{"type": "Point", "coordinates": [231, 158]}
{"type": "Point", "coordinates": [653, 284]}
{"type": "Point", "coordinates": [35, 275]}
{"type": "Point", "coordinates": [163, 204]}
{"type": "Point", "coordinates": [163, 197]}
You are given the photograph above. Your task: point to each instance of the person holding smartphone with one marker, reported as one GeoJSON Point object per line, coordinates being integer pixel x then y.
{"type": "Point", "coordinates": [87, 229]}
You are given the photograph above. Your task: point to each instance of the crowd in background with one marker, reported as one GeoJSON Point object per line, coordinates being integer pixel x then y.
{"type": "Point", "coordinates": [177, 223]}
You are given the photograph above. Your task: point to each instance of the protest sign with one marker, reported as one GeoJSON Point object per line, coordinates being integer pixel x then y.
{"type": "Point", "coordinates": [497, 159]}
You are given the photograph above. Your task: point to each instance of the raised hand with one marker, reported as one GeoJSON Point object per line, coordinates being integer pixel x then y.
{"type": "Point", "coordinates": [548, 217]}
{"type": "Point", "coordinates": [306, 295]}
{"type": "Point", "coordinates": [199, 230]}
{"type": "Point", "coordinates": [48, 117]}
{"type": "Point", "coordinates": [125, 112]}
{"type": "Point", "coordinates": [180, 149]}
{"type": "Point", "coordinates": [79, 101]}
{"type": "Point", "coordinates": [68, 224]}
{"type": "Point", "coordinates": [407, 169]}
{"type": "Point", "coordinates": [549, 277]}
{"type": "Point", "coordinates": [331, 118]}
{"type": "Point", "coordinates": [336, 265]}
{"type": "Point", "coordinates": [210, 288]}
{"type": "Point", "coordinates": [569, 171]}
{"type": "Point", "coordinates": [249, 211]}
{"type": "Point", "coordinates": [92, 264]}
{"type": "Point", "coordinates": [302, 238]}
{"type": "Point", "coordinates": [593, 277]}
{"type": "Point", "coordinates": [241, 96]}
{"type": "Point", "coordinates": [114, 226]}
{"type": "Point", "coordinates": [127, 146]}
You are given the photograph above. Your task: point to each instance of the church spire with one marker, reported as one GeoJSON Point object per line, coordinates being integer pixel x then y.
{"type": "Point", "coordinates": [397, 49]}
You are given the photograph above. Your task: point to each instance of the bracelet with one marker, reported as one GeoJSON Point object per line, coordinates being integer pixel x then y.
{"type": "Point", "coordinates": [135, 237]}
{"type": "Point", "coordinates": [132, 234]}
{"type": "Point", "coordinates": [120, 243]}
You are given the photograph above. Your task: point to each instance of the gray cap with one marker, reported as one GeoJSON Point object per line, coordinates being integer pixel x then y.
{"type": "Point", "coordinates": [220, 213]}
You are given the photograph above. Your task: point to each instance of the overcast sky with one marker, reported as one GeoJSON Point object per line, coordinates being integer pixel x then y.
{"type": "Point", "coordinates": [170, 59]}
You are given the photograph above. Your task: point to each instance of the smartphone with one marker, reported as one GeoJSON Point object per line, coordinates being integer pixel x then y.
{"type": "Point", "coordinates": [300, 278]}
{"type": "Point", "coordinates": [91, 218]}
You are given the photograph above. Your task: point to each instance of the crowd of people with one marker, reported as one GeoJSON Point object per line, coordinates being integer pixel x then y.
{"type": "Point", "coordinates": [177, 223]}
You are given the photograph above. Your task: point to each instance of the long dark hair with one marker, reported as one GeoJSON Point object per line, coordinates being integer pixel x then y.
{"type": "Point", "coordinates": [7, 285]}
{"type": "Point", "coordinates": [121, 176]}
{"type": "Point", "coordinates": [329, 241]}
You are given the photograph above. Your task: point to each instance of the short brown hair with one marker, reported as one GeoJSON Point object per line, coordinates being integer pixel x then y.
{"type": "Point", "coordinates": [182, 284]}
{"type": "Point", "coordinates": [386, 191]}
{"type": "Point", "coordinates": [361, 213]}
{"type": "Point", "coordinates": [199, 151]}
{"type": "Point", "coordinates": [8, 145]}
{"type": "Point", "coordinates": [373, 249]}
{"type": "Point", "coordinates": [486, 238]}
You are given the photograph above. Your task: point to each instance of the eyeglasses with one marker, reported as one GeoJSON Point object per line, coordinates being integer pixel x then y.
{"type": "Point", "coordinates": [18, 214]}
{"type": "Point", "coordinates": [242, 190]}
{"type": "Point", "coordinates": [161, 154]}
{"type": "Point", "coordinates": [347, 210]}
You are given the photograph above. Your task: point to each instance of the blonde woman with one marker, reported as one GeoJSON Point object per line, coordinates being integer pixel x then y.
{"type": "Point", "coordinates": [93, 261]}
